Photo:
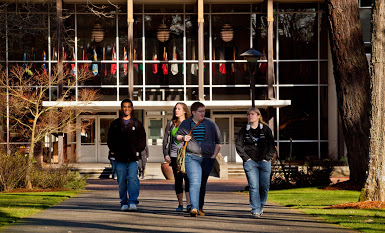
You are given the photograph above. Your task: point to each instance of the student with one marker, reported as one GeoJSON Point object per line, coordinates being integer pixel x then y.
{"type": "Point", "coordinates": [126, 139]}
{"type": "Point", "coordinates": [201, 152]}
{"type": "Point", "coordinates": [170, 148]}
{"type": "Point", "coordinates": [255, 145]}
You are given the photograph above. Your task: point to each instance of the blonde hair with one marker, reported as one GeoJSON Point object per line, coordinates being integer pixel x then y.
{"type": "Point", "coordinates": [256, 110]}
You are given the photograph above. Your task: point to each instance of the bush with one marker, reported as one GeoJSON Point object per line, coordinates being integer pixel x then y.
{"type": "Point", "coordinates": [12, 171]}
{"type": "Point", "coordinates": [57, 178]}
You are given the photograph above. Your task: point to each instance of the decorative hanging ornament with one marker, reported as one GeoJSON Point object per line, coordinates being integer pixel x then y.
{"type": "Point", "coordinates": [227, 33]}
{"type": "Point", "coordinates": [97, 33]}
{"type": "Point", "coordinates": [163, 33]}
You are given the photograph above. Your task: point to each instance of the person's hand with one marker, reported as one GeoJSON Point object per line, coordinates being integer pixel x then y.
{"type": "Point", "coordinates": [186, 138]}
{"type": "Point", "coordinates": [167, 159]}
{"type": "Point", "coordinates": [214, 156]}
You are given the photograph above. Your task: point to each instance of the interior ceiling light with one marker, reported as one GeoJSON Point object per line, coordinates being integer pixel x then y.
{"type": "Point", "coordinates": [163, 33]}
{"type": "Point", "coordinates": [227, 33]}
{"type": "Point", "coordinates": [98, 33]}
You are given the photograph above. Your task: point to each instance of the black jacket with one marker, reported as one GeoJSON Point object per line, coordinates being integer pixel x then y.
{"type": "Point", "coordinates": [167, 141]}
{"type": "Point", "coordinates": [262, 147]}
{"type": "Point", "coordinates": [124, 141]}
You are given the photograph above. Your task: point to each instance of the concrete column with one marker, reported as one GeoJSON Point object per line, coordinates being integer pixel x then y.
{"type": "Point", "coordinates": [200, 50]}
{"type": "Point", "coordinates": [130, 37]}
{"type": "Point", "coordinates": [332, 110]}
{"type": "Point", "coordinates": [270, 49]}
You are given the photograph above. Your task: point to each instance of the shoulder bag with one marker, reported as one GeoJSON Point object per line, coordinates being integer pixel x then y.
{"type": "Point", "coordinates": [180, 160]}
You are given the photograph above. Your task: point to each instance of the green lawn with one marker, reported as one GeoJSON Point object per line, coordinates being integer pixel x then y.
{"type": "Point", "coordinates": [15, 206]}
{"type": "Point", "coordinates": [313, 201]}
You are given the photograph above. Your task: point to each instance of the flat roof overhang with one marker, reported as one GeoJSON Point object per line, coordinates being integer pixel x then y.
{"type": "Point", "coordinates": [164, 105]}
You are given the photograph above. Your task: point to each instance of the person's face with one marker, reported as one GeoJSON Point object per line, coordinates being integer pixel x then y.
{"type": "Point", "coordinates": [179, 111]}
{"type": "Point", "coordinates": [199, 114]}
{"type": "Point", "coordinates": [253, 117]}
{"type": "Point", "coordinates": [127, 109]}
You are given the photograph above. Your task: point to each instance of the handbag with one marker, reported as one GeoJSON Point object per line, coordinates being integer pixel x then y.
{"type": "Point", "coordinates": [180, 160]}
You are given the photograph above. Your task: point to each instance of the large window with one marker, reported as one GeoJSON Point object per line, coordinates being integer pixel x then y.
{"type": "Point", "coordinates": [165, 51]}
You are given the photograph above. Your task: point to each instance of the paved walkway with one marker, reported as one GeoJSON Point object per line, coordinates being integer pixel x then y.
{"type": "Point", "coordinates": [98, 210]}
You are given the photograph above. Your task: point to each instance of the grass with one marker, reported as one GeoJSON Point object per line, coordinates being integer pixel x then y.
{"type": "Point", "coordinates": [15, 206]}
{"type": "Point", "coordinates": [314, 200]}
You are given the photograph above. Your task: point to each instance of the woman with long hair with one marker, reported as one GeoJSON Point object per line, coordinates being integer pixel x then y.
{"type": "Point", "coordinates": [255, 145]}
{"type": "Point", "coordinates": [170, 148]}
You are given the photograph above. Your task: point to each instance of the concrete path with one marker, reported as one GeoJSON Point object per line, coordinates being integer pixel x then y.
{"type": "Point", "coordinates": [98, 210]}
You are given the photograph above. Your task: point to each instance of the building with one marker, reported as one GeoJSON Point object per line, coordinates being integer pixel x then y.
{"type": "Point", "coordinates": [162, 52]}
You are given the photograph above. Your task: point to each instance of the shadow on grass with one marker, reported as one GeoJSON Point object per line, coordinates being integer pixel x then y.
{"type": "Point", "coordinates": [6, 219]}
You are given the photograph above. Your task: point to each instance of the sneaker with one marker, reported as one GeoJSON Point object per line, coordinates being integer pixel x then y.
{"type": "Point", "coordinates": [115, 177]}
{"type": "Point", "coordinates": [124, 208]}
{"type": "Point", "coordinates": [188, 207]}
{"type": "Point", "coordinates": [256, 215]}
{"type": "Point", "coordinates": [180, 208]}
{"type": "Point", "coordinates": [201, 213]}
{"type": "Point", "coordinates": [193, 212]}
{"type": "Point", "coordinates": [132, 207]}
{"type": "Point", "coordinates": [261, 213]}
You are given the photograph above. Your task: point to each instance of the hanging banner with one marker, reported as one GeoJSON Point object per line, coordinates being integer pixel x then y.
{"type": "Point", "coordinates": [125, 64]}
{"type": "Point", "coordinates": [44, 66]}
{"type": "Point", "coordinates": [155, 65]}
{"type": "Point", "coordinates": [104, 58]}
{"type": "Point", "coordinates": [95, 67]}
{"type": "Point", "coordinates": [113, 65]}
{"type": "Point", "coordinates": [222, 66]}
{"type": "Point", "coordinates": [194, 66]}
{"type": "Point", "coordinates": [73, 65]}
{"type": "Point", "coordinates": [174, 66]}
{"type": "Point", "coordinates": [165, 65]}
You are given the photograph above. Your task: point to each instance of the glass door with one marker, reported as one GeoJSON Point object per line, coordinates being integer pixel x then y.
{"type": "Point", "coordinates": [223, 123]}
{"type": "Point", "coordinates": [155, 132]}
{"type": "Point", "coordinates": [87, 149]}
{"type": "Point", "coordinates": [104, 123]}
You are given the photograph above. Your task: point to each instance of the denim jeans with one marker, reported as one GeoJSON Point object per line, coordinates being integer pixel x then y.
{"type": "Point", "coordinates": [128, 182]}
{"type": "Point", "coordinates": [198, 170]}
{"type": "Point", "coordinates": [258, 176]}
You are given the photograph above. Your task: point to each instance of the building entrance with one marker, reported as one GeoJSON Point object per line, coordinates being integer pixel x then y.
{"type": "Point", "coordinates": [229, 125]}
{"type": "Point", "coordinates": [92, 141]}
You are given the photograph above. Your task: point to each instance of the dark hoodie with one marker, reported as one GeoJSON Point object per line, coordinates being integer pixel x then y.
{"type": "Point", "coordinates": [124, 141]}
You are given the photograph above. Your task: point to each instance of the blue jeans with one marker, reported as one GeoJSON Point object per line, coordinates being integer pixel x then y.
{"type": "Point", "coordinates": [128, 182]}
{"type": "Point", "coordinates": [198, 170]}
{"type": "Point", "coordinates": [258, 176]}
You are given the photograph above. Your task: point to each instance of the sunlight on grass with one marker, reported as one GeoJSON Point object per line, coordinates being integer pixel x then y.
{"type": "Point", "coordinates": [14, 206]}
{"type": "Point", "coordinates": [313, 201]}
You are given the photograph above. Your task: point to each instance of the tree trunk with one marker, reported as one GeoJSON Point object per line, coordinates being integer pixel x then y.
{"type": "Point", "coordinates": [375, 184]}
{"type": "Point", "coordinates": [351, 73]}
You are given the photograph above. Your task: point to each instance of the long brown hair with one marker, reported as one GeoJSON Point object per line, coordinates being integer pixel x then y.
{"type": "Point", "coordinates": [175, 119]}
{"type": "Point", "coordinates": [256, 110]}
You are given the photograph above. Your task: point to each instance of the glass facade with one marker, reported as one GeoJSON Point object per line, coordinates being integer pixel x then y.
{"type": "Point", "coordinates": [165, 51]}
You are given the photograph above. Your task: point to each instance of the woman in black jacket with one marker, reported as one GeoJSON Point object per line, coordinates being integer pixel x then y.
{"type": "Point", "coordinates": [170, 148]}
{"type": "Point", "coordinates": [255, 145]}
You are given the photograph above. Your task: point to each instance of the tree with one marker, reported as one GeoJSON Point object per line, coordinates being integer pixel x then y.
{"type": "Point", "coordinates": [374, 189]}
{"type": "Point", "coordinates": [24, 91]}
{"type": "Point", "coordinates": [351, 73]}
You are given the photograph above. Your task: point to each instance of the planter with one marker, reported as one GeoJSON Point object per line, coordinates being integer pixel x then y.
{"type": "Point", "coordinates": [167, 171]}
